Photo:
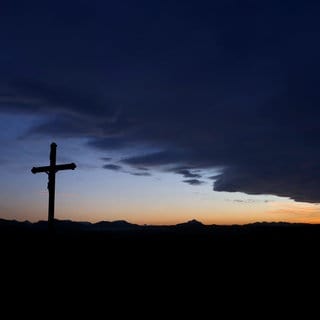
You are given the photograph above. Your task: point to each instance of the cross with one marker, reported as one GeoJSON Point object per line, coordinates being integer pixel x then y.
{"type": "Point", "coordinates": [51, 170]}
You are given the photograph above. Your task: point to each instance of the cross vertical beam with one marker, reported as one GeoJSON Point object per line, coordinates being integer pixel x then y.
{"type": "Point", "coordinates": [52, 184]}
{"type": "Point", "coordinates": [51, 170]}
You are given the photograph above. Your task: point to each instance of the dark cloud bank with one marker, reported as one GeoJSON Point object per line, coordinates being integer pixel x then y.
{"type": "Point", "coordinates": [112, 167]}
{"type": "Point", "coordinates": [232, 85]}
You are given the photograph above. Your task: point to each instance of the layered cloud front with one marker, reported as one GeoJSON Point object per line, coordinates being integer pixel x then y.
{"type": "Point", "coordinates": [221, 87]}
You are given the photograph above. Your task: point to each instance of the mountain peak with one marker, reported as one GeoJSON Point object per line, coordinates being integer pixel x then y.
{"type": "Point", "coordinates": [194, 222]}
{"type": "Point", "coordinates": [191, 224]}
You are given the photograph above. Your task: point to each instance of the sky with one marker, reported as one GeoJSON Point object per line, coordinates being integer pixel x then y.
{"type": "Point", "coordinates": [172, 110]}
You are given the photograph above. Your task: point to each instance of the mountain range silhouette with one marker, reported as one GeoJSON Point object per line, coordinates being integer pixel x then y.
{"type": "Point", "coordinates": [7, 226]}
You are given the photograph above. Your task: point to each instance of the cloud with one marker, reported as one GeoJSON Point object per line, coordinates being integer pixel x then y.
{"type": "Point", "coordinates": [33, 96]}
{"type": "Point", "coordinates": [194, 182]}
{"type": "Point", "coordinates": [142, 168]}
{"type": "Point", "coordinates": [187, 173]}
{"type": "Point", "coordinates": [300, 185]}
{"type": "Point", "coordinates": [113, 167]}
{"type": "Point", "coordinates": [192, 91]}
{"type": "Point", "coordinates": [250, 201]}
{"type": "Point", "coordinates": [155, 159]}
{"type": "Point", "coordinates": [215, 177]}
{"type": "Point", "coordinates": [141, 174]}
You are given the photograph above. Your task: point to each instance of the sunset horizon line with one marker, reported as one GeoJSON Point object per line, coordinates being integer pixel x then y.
{"type": "Point", "coordinates": [184, 222]}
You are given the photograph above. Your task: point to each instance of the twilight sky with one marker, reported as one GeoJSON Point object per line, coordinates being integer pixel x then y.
{"type": "Point", "coordinates": [172, 110]}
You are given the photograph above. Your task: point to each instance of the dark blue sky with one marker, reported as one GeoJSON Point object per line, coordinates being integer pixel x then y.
{"type": "Point", "coordinates": [176, 86]}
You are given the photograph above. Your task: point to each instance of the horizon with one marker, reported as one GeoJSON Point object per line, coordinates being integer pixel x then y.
{"type": "Point", "coordinates": [171, 111]}
{"type": "Point", "coordinates": [161, 225]}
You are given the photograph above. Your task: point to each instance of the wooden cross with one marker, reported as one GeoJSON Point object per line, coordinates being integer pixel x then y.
{"type": "Point", "coordinates": [51, 170]}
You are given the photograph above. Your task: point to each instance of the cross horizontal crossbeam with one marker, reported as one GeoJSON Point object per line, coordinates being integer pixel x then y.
{"type": "Point", "coordinates": [56, 168]}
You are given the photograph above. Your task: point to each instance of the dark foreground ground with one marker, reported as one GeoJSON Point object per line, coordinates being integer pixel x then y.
{"type": "Point", "coordinates": [117, 262]}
